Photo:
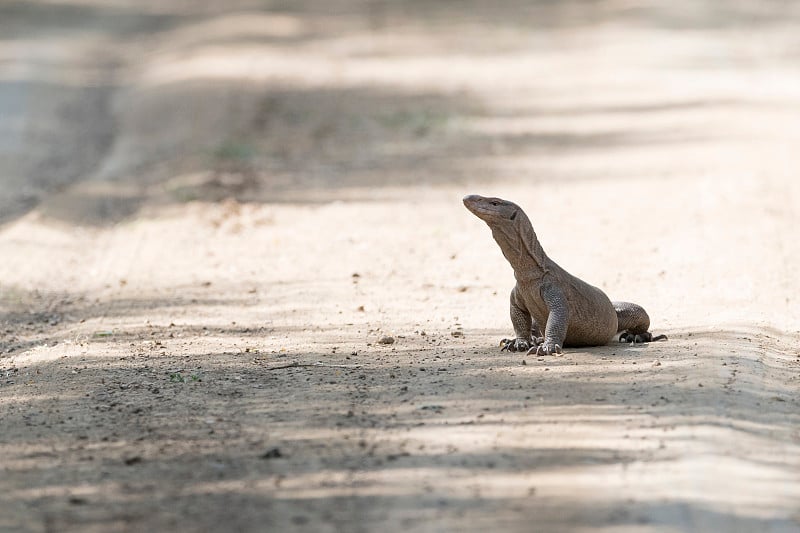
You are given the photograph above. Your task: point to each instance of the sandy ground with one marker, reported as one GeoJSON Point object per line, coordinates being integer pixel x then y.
{"type": "Point", "coordinates": [211, 216]}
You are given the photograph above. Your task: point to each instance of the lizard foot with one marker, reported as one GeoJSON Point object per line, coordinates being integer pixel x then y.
{"type": "Point", "coordinates": [546, 348]}
{"type": "Point", "coordinates": [515, 345]}
{"type": "Point", "coordinates": [641, 337]}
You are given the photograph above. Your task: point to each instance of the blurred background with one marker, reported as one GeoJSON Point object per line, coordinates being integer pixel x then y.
{"type": "Point", "coordinates": [200, 201]}
{"type": "Point", "coordinates": [109, 105]}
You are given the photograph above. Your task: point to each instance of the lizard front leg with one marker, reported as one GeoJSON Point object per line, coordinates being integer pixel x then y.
{"type": "Point", "coordinates": [557, 321]}
{"type": "Point", "coordinates": [523, 324]}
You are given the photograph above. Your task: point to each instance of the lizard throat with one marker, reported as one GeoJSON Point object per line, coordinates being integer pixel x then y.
{"type": "Point", "coordinates": [527, 259]}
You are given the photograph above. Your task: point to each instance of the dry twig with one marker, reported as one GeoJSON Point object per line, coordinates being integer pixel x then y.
{"type": "Point", "coordinates": [296, 364]}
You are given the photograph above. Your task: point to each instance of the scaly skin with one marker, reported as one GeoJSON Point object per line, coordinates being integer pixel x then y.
{"type": "Point", "coordinates": [572, 312]}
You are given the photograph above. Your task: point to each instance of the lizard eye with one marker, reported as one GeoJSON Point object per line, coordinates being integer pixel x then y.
{"type": "Point", "coordinates": [495, 203]}
{"type": "Point", "coordinates": [514, 215]}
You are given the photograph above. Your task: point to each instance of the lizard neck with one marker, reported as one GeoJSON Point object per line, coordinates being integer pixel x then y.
{"type": "Point", "coordinates": [522, 250]}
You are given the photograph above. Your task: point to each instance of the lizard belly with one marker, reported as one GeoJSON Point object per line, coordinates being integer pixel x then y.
{"type": "Point", "coordinates": [592, 319]}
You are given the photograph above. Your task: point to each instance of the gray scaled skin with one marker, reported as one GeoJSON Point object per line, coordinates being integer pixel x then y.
{"type": "Point", "coordinates": [551, 308]}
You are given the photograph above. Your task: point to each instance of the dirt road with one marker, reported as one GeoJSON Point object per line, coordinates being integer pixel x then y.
{"type": "Point", "coordinates": [211, 217]}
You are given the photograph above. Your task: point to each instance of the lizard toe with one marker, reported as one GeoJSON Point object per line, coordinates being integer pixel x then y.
{"type": "Point", "coordinates": [640, 338]}
{"type": "Point", "coordinates": [547, 349]}
{"type": "Point", "coordinates": [514, 345]}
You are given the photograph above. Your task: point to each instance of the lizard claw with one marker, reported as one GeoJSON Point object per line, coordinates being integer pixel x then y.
{"type": "Point", "coordinates": [640, 338]}
{"type": "Point", "coordinates": [514, 345]}
{"type": "Point", "coordinates": [546, 349]}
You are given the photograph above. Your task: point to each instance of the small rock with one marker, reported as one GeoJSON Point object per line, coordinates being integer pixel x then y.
{"type": "Point", "coordinates": [457, 333]}
{"type": "Point", "coordinates": [272, 453]}
{"type": "Point", "coordinates": [656, 362]}
{"type": "Point", "coordinates": [386, 340]}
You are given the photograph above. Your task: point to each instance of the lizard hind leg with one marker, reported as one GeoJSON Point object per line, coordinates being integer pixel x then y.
{"type": "Point", "coordinates": [633, 323]}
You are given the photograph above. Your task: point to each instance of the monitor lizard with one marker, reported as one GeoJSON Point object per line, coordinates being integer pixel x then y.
{"type": "Point", "coordinates": [573, 313]}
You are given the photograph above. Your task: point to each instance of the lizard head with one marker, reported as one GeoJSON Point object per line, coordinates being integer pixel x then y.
{"type": "Point", "coordinates": [493, 211]}
{"type": "Point", "coordinates": [512, 230]}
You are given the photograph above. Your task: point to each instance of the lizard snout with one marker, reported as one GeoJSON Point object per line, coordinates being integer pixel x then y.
{"type": "Point", "coordinates": [471, 200]}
